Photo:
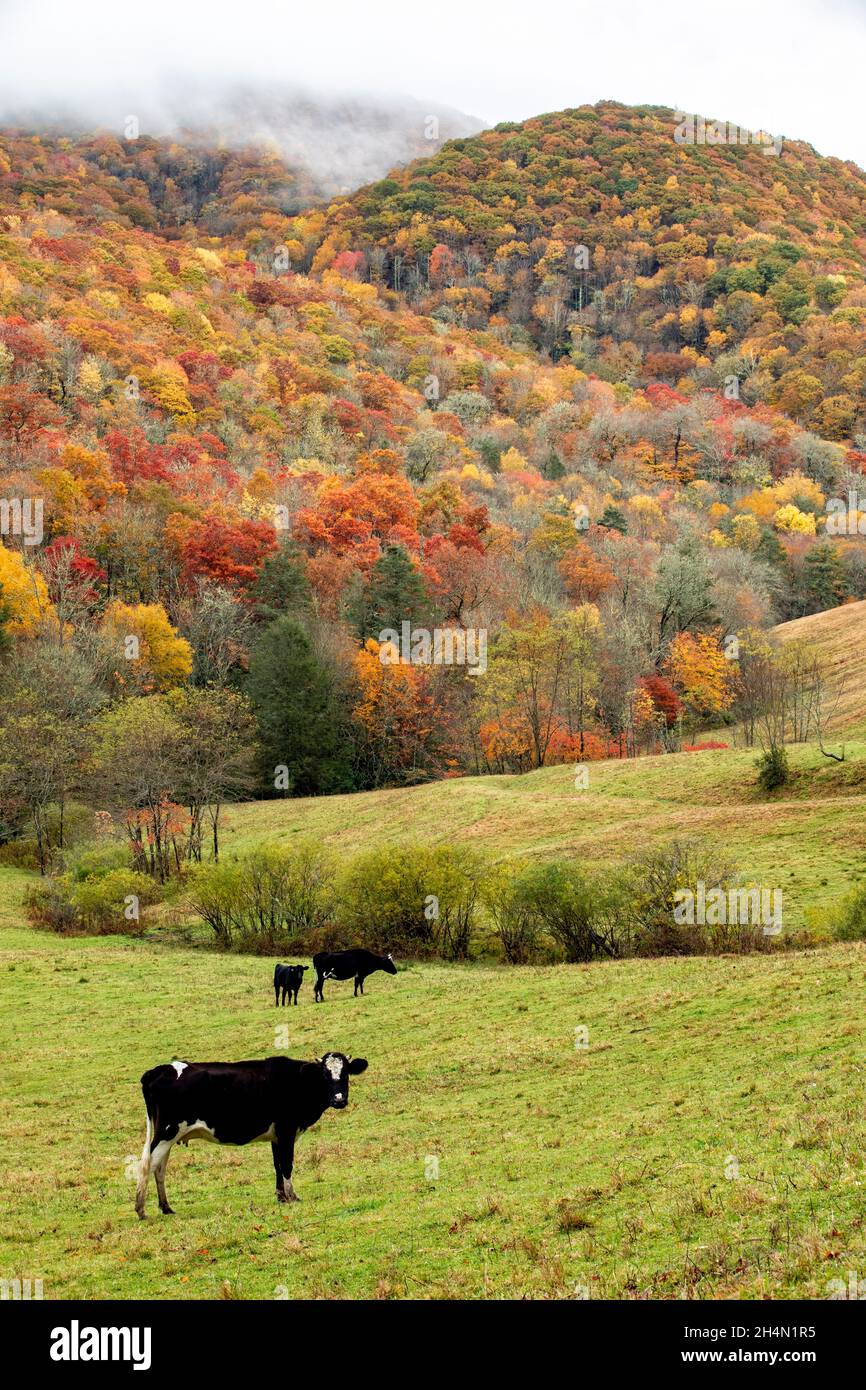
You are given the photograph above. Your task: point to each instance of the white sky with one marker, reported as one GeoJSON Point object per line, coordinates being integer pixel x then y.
{"type": "Point", "coordinates": [794, 67]}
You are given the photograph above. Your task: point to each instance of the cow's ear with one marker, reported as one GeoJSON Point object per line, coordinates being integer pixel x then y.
{"type": "Point", "coordinates": [357, 1065]}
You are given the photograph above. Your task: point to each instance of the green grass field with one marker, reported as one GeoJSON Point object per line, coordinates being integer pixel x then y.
{"type": "Point", "coordinates": [710, 1141]}
{"type": "Point", "coordinates": [607, 1167]}
{"type": "Point", "coordinates": [810, 841]}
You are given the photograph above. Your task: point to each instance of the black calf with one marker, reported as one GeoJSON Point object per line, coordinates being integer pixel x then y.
{"type": "Point", "coordinates": [289, 979]}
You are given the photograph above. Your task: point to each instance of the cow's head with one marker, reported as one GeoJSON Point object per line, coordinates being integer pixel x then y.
{"type": "Point", "coordinates": [337, 1069]}
{"type": "Point", "coordinates": [388, 964]}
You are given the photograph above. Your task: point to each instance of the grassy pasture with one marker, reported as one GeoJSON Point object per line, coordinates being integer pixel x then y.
{"type": "Point", "coordinates": [810, 841]}
{"type": "Point", "coordinates": [606, 1167]}
{"type": "Point", "coordinates": [710, 1141]}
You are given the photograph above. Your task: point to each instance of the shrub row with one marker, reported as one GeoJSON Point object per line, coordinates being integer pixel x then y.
{"type": "Point", "coordinates": [426, 901]}
{"type": "Point", "coordinates": [441, 901]}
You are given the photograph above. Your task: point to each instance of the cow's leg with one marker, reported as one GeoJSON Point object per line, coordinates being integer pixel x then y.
{"type": "Point", "coordinates": [276, 996]}
{"type": "Point", "coordinates": [361, 979]}
{"type": "Point", "coordinates": [357, 982]}
{"type": "Point", "coordinates": [296, 998]}
{"type": "Point", "coordinates": [284, 1161]}
{"type": "Point", "coordinates": [320, 998]}
{"type": "Point", "coordinates": [144, 1171]}
{"type": "Point", "coordinates": [159, 1163]}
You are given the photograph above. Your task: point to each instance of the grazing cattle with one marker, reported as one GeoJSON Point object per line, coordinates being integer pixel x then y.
{"type": "Point", "coordinates": [342, 965]}
{"type": "Point", "coordinates": [288, 979]}
{"type": "Point", "coordinates": [239, 1103]}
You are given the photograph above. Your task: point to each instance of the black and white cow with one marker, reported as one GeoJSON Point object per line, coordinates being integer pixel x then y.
{"type": "Point", "coordinates": [239, 1103]}
{"type": "Point", "coordinates": [288, 979]}
{"type": "Point", "coordinates": [342, 965]}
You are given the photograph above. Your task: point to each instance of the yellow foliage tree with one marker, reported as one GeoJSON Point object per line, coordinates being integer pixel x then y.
{"type": "Point", "coordinates": [792, 520]}
{"type": "Point", "coordinates": [168, 384]}
{"type": "Point", "coordinates": [25, 594]}
{"type": "Point", "coordinates": [157, 657]}
{"type": "Point", "coordinates": [746, 532]}
{"type": "Point", "coordinates": [512, 461]}
{"type": "Point", "coordinates": [90, 379]}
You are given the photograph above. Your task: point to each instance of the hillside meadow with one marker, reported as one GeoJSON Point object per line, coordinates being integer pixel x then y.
{"type": "Point", "coordinates": [707, 1142]}
{"type": "Point", "coordinates": [810, 841]}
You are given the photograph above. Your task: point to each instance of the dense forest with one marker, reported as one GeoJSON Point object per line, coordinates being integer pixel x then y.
{"type": "Point", "coordinates": [567, 385]}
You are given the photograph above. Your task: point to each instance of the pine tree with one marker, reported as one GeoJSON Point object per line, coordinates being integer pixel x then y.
{"type": "Point", "coordinates": [301, 724]}
{"type": "Point", "coordinates": [613, 519]}
{"type": "Point", "coordinates": [282, 588]}
{"type": "Point", "coordinates": [824, 574]}
{"type": "Point", "coordinates": [393, 594]}
{"type": "Point", "coordinates": [5, 617]}
{"type": "Point", "coordinates": [553, 467]}
{"type": "Point", "coordinates": [490, 454]}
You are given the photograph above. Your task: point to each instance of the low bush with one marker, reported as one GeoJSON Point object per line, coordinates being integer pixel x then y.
{"type": "Point", "coordinates": [662, 878]}
{"type": "Point", "coordinates": [515, 924]}
{"type": "Point", "coordinates": [586, 915]}
{"type": "Point", "coordinates": [427, 901]}
{"type": "Point", "coordinates": [95, 861]}
{"type": "Point", "coordinates": [849, 919]}
{"type": "Point", "coordinates": [272, 899]}
{"type": "Point", "coordinates": [22, 853]}
{"type": "Point", "coordinates": [773, 769]}
{"type": "Point", "coordinates": [101, 905]}
{"type": "Point", "coordinates": [49, 905]}
{"type": "Point", "coordinates": [414, 899]}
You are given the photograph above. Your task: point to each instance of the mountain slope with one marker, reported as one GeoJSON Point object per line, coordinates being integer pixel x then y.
{"type": "Point", "coordinates": [191, 375]}
{"type": "Point", "coordinates": [209, 161]}
{"type": "Point", "coordinates": [838, 638]}
{"type": "Point", "coordinates": [699, 261]}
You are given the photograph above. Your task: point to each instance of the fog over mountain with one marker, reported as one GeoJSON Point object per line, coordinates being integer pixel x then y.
{"type": "Point", "coordinates": [341, 140]}
{"type": "Point", "coordinates": [796, 71]}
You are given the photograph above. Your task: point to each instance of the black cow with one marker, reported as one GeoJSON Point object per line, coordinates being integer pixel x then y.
{"type": "Point", "coordinates": [342, 965]}
{"type": "Point", "coordinates": [289, 979]}
{"type": "Point", "coordinates": [239, 1103]}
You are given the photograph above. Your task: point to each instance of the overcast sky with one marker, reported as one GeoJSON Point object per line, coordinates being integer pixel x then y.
{"type": "Point", "coordinates": [793, 67]}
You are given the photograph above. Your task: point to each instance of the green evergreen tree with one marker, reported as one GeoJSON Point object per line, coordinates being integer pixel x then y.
{"type": "Point", "coordinates": [490, 454]}
{"type": "Point", "coordinates": [5, 617]}
{"type": "Point", "coordinates": [394, 593]}
{"type": "Point", "coordinates": [770, 549]}
{"type": "Point", "coordinates": [282, 588]}
{"type": "Point", "coordinates": [824, 574]}
{"type": "Point", "coordinates": [302, 726]}
{"type": "Point", "coordinates": [613, 519]}
{"type": "Point", "coordinates": [553, 468]}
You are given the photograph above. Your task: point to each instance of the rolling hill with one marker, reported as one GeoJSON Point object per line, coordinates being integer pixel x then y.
{"type": "Point", "coordinates": [698, 260]}
{"type": "Point", "coordinates": [838, 638]}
